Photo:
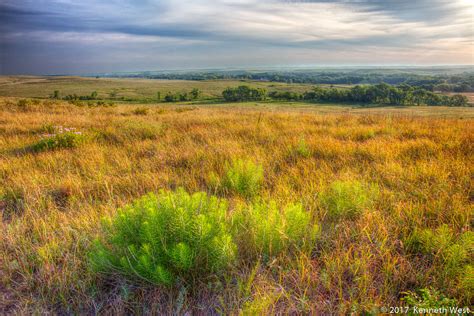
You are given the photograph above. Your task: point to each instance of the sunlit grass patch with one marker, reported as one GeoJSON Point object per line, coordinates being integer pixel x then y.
{"type": "Point", "coordinates": [242, 177]}
{"type": "Point", "coordinates": [164, 237]}
{"type": "Point", "coordinates": [419, 149]}
{"type": "Point", "coordinates": [451, 253]}
{"type": "Point", "coordinates": [347, 199]}
{"type": "Point", "coordinates": [129, 131]}
{"type": "Point", "coordinates": [268, 229]}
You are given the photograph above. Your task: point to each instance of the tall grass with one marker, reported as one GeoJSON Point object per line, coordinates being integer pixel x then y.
{"type": "Point", "coordinates": [365, 218]}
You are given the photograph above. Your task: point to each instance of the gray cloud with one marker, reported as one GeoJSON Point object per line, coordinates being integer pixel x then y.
{"type": "Point", "coordinates": [51, 36]}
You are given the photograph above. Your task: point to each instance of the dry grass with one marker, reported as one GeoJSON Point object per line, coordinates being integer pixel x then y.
{"type": "Point", "coordinates": [52, 203]}
{"type": "Point", "coordinates": [43, 87]}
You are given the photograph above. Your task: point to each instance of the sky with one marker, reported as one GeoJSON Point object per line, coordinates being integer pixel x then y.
{"type": "Point", "coordinates": [78, 37]}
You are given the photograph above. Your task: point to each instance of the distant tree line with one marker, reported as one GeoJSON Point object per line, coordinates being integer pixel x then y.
{"type": "Point", "coordinates": [435, 81]}
{"type": "Point", "coordinates": [367, 94]}
{"type": "Point", "coordinates": [75, 97]}
{"type": "Point", "coordinates": [244, 93]}
{"type": "Point", "coordinates": [194, 94]}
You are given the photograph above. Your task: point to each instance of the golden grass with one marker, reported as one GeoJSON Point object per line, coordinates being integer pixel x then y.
{"type": "Point", "coordinates": [53, 202]}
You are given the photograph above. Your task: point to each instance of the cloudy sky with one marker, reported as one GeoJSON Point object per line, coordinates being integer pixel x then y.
{"type": "Point", "coordinates": [68, 36]}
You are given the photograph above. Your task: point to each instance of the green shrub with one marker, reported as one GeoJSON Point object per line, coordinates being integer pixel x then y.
{"type": "Point", "coordinates": [347, 199]}
{"type": "Point", "coordinates": [268, 230]}
{"type": "Point", "coordinates": [160, 238]}
{"type": "Point", "coordinates": [427, 298]}
{"type": "Point", "coordinates": [59, 141]}
{"type": "Point", "coordinates": [243, 177]}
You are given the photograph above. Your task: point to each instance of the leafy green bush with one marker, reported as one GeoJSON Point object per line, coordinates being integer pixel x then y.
{"type": "Point", "coordinates": [59, 141]}
{"type": "Point", "coordinates": [160, 238]}
{"type": "Point", "coordinates": [243, 177]}
{"type": "Point", "coordinates": [427, 298]}
{"type": "Point", "coordinates": [347, 199]}
{"type": "Point", "coordinates": [268, 230]}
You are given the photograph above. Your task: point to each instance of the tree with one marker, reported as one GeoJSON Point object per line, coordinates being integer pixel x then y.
{"type": "Point", "coordinates": [195, 93]}
{"type": "Point", "coordinates": [169, 97]}
{"type": "Point", "coordinates": [458, 100]}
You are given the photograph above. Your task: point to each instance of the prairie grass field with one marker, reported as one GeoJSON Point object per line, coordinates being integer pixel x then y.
{"type": "Point", "coordinates": [134, 89]}
{"type": "Point", "coordinates": [327, 209]}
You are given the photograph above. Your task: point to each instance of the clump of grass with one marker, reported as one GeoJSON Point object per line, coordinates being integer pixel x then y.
{"type": "Point", "coordinates": [347, 199]}
{"type": "Point", "coordinates": [11, 202]}
{"type": "Point", "coordinates": [128, 132]}
{"type": "Point", "coordinates": [164, 237]}
{"type": "Point", "coordinates": [140, 111]}
{"type": "Point", "coordinates": [442, 244]}
{"type": "Point", "coordinates": [64, 138]}
{"type": "Point", "coordinates": [243, 177]}
{"type": "Point", "coordinates": [302, 149]}
{"type": "Point", "coordinates": [266, 229]}
{"type": "Point", "coordinates": [420, 149]}
{"type": "Point", "coordinates": [427, 298]}
{"type": "Point", "coordinates": [185, 109]}
{"type": "Point", "coordinates": [47, 128]}
{"type": "Point", "coordinates": [429, 241]}
{"type": "Point", "coordinates": [23, 104]}
{"type": "Point", "coordinates": [364, 135]}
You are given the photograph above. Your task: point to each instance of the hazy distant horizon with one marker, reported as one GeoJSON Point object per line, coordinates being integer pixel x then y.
{"type": "Point", "coordinates": [341, 68]}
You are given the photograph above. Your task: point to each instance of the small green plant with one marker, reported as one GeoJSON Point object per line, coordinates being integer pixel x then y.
{"type": "Point", "coordinates": [47, 128]}
{"type": "Point", "coordinates": [429, 241]}
{"type": "Point", "coordinates": [347, 199]}
{"type": "Point", "coordinates": [59, 141]}
{"type": "Point", "coordinates": [243, 177]}
{"type": "Point", "coordinates": [164, 237]}
{"type": "Point", "coordinates": [441, 245]}
{"type": "Point", "coordinates": [427, 299]}
{"type": "Point", "coordinates": [302, 149]}
{"type": "Point", "coordinates": [268, 230]}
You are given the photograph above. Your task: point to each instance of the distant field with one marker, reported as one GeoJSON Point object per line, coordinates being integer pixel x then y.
{"type": "Point", "coordinates": [43, 87]}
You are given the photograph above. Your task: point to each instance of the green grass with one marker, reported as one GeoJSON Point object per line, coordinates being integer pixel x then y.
{"type": "Point", "coordinates": [243, 177]}
{"type": "Point", "coordinates": [132, 89]}
{"type": "Point", "coordinates": [165, 237]}
{"type": "Point", "coordinates": [266, 230]}
{"type": "Point", "coordinates": [347, 199]}
{"type": "Point", "coordinates": [61, 140]}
